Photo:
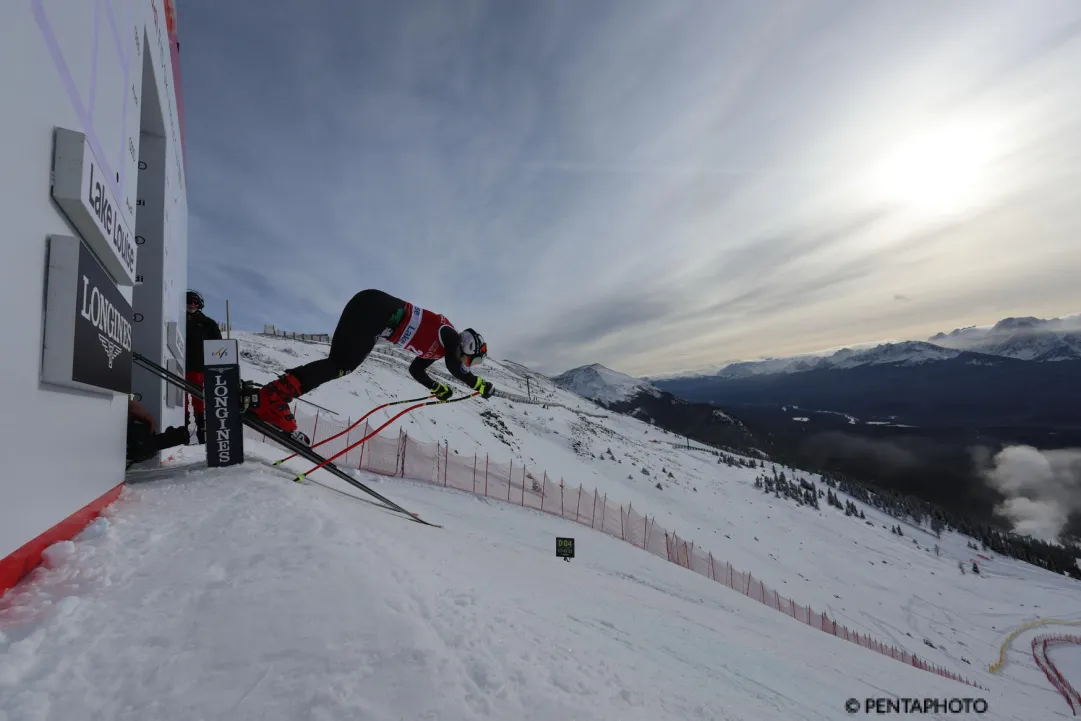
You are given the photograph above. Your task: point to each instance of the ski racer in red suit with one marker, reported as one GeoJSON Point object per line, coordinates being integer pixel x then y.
{"type": "Point", "coordinates": [370, 315]}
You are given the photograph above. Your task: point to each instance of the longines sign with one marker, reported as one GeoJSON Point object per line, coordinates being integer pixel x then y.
{"type": "Point", "coordinates": [88, 322]}
{"type": "Point", "coordinates": [81, 189]}
{"type": "Point", "coordinates": [221, 393]}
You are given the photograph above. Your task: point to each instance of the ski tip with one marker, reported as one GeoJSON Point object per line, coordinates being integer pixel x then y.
{"type": "Point", "coordinates": [277, 463]}
{"type": "Point", "coordinates": [300, 478]}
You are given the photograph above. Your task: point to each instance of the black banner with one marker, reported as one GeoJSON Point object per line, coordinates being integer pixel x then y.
{"type": "Point", "coordinates": [102, 350]}
{"type": "Point", "coordinates": [224, 429]}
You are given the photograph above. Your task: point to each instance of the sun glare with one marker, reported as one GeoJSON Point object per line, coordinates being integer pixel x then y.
{"type": "Point", "coordinates": [940, 172]}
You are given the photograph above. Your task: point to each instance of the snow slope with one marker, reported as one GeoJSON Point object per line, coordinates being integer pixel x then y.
{"type": "Point", "coordinates": [602, 384]}
{"type": "Point", "coordinates": [239, 594]}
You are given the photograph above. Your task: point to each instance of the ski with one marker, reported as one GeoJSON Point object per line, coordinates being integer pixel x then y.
{"type": "Point", "coordinates": [139, 475]}
{"type": "Point", "coordinates": [280, 437]}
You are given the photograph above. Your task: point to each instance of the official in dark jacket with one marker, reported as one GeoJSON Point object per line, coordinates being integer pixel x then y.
{"type": "Point", "coordinates": [200, 328]}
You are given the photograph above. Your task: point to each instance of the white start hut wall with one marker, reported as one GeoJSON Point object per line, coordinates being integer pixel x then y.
{"type": "Point", "coordinates": [94, 248]}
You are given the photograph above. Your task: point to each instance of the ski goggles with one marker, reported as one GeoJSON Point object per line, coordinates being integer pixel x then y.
{"type": "Point", "coordinates": [478, 358]}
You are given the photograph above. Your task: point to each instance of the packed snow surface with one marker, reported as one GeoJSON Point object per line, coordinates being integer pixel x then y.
{"type": "Point", "coordinates": [238, 594]}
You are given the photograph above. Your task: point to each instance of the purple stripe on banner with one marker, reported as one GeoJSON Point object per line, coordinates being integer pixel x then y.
{"type": "Point", "coordinates": [73, 94]}
{"type": "Point", "coordinates": [94, 58]}
{"type": "Point", "coordinates": [174, 53]}
{"type": "Point", "coordinates": [125, 58]}
{"type": "Point", "coordinates": [112, 26]}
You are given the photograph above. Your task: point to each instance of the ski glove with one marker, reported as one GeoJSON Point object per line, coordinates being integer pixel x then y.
{"type": "Point", "coordinates": [484, 387]}
{"type": "Point", "coordinates": [442, 391]}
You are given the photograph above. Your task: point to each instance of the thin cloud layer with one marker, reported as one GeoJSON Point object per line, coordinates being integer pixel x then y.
{"type": "Point", "coordinates": [652, 186]}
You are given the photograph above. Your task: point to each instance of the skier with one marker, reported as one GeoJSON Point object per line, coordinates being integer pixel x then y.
{"type": "Point", "coordinates": [368, 316]}
{"type": "Point", "coordinates": [199, 328]}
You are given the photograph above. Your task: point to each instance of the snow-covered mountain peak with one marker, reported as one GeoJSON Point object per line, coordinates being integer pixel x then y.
{"type": "Point", "coordinates": [1025, 338]}
{"type": "Point", "coordinates": [1009, 325]}
{"type": "Point", "coordinates": [957, 334]}
{"type": "Point", "coordinates": [603, 385]}
{"type": "Point", "coordinates": [906, 353]}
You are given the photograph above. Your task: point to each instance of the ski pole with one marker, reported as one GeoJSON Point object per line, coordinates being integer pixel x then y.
{"type": "Point", "coordinates": [354, 425]}
{"type": "Point", "coordinates": [300, 477]}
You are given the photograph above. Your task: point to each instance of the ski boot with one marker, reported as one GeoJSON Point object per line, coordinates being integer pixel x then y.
{"type": "Point", "coordinates": [271, 405]}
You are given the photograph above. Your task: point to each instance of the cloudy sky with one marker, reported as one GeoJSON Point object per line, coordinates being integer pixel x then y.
{"type": "Point", "coordinates": [656, 186]}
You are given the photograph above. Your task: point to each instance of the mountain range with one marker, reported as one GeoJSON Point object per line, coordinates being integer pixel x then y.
{"type": "Point", "coordinates": [912, 416]}
{"type": "Point", "coordinates": [1020, 373]}
{"type": "Point", "coordinates": [1030, 339]}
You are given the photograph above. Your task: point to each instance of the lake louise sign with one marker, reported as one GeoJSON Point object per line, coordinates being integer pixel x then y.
{"type": "Point", "coordinates": [85, 194]}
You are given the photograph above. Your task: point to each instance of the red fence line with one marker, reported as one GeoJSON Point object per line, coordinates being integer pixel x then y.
{"type": "Point", "coordinates": [1043, 660]}
{"type": "Point", "coordinates": [432, 463]}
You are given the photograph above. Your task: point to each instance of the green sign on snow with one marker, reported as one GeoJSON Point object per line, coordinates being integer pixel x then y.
{"type": "Point", "coordinates": [565, 548]}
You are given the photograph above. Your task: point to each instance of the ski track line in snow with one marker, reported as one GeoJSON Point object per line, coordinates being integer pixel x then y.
{"type": "Point", "coordinates": [1004, 648]}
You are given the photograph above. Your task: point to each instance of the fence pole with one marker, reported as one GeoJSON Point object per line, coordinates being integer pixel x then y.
{"type": "Point", "coordinates": [604, 508]}
{"type": "Point", "coordinates": [622, 535]}
{"type": "Point", "coordinates": [579, 506]}
{"type": "Point", "coordinates": [593, 516]}
{"type": "Point", "coordinates": [523, 486]}
{"type": "Point", "coordinates": [561, 498]}
{"type": "Point", "coordinates": [474, 471]}
{"type": "Point", "coordinates": [510, 479]}
{"type": "Point", "coordinates": [404, 437]}
{"type": "Point", "coordinates": [349, 424]}
{"type": "Point", "coordinates": [544, 488]}
{"type": "Point", "coordinates": [485, 475]}
{"type": "Point", "coordinates": [446, 460]}
{"type": "Point", "coordinates": [361, 461]}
